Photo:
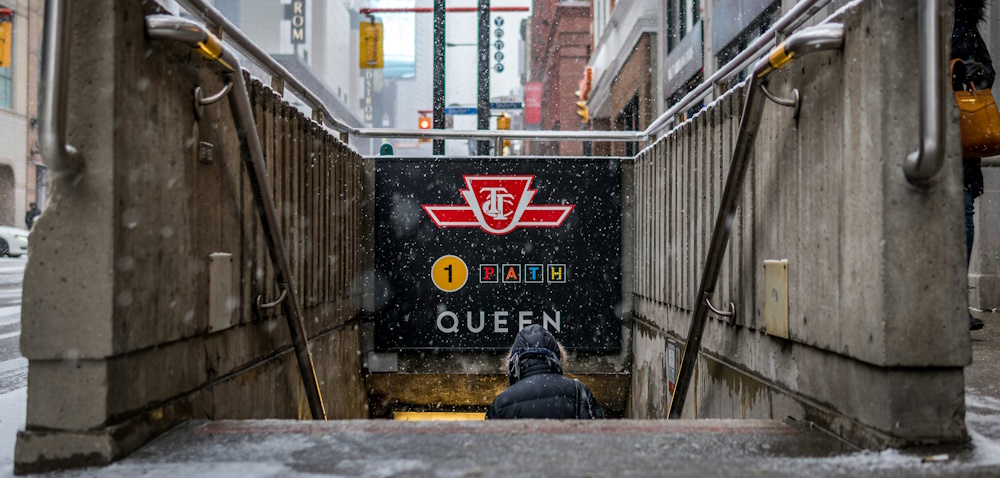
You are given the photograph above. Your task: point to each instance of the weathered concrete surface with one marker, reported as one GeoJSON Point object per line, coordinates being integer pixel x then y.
{"type": "Point", "coordinates": [877, 330]}
{"type": "Point", "coordinates": [116, 315]}
{"type": "Point", "coordinates": [723, 448]}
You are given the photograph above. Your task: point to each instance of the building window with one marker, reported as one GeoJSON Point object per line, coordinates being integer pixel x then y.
{"type": "Point", "coordinates": [758, 27]}
{"type": "Point", "coordinates": [6, 58]}
{"type": "Point", "coordinates": [628, 120]}
{"type": "Point", "coordinates": [682, 15]}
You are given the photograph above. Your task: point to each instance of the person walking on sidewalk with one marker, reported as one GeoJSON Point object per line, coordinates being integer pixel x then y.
{"type": "Point", "coordinates": [29, 217]}
{"type": "Point", "coordinates": [975, 67]}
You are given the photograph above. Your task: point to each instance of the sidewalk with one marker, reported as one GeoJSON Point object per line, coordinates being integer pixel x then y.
{"type": "Point", "coordinates": [982, 383]}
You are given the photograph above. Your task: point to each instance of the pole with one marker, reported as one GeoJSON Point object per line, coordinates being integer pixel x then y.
{"type": "Point", "coordinates": [483, 103]}
{"type": "Point", "coordinates": [439, 39]}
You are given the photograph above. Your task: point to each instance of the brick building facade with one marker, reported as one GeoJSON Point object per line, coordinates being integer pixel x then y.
{"type": "Point", "coordinates": [560, 49]}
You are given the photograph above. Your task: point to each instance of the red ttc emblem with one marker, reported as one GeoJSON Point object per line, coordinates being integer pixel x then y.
{"type": "Point", "coordinates": [498, 205]}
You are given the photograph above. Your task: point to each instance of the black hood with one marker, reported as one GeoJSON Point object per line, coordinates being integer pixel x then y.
{"type": "Point", "coordinates": [535, 351]}
{"type": "Point", "coordinates": [970, 10]}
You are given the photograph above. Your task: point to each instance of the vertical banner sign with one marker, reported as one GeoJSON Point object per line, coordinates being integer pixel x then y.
{"type": "Point", "coordinates": [369, 86]}
{"type": "Point", "coordinates": [298, 21]}
{"type": "Point", "coordinates": [6, 37]}
{"type": "Point", "coordinates": [370, 44]}
{"type": "Point", "coordinates": [470, 251]}
{"type": "Point", "coordinates": [533, 102]}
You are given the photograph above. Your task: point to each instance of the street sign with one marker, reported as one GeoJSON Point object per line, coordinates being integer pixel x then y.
{"type": "Point", "coordinates": [470, 251]}
{"type": "Point", "coordinates": [460, 111]}
{"type": "Point", "coordinates": [498, 105]}
{"type": "Point", "coordinates": [506, 105]}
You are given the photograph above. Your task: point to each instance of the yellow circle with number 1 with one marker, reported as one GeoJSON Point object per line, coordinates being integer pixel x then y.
{"type": "Point", "coordinates": [449, 273]}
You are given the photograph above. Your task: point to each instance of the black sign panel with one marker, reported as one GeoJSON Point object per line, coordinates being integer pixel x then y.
{"type": "Point", "coordinates": [469, 251]}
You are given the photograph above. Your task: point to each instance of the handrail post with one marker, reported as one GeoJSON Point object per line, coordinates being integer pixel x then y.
{"type": "Point", "coordinates": [922, 165]}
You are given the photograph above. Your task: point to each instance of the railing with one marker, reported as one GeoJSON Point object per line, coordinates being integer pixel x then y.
{"type": "Point", "coordinates": [61, 157]}
{"type": "Point", "coordinates": [795, 17]}
{"type": "Point", "coordinates": [170, 28]}
{"type": "Point", "coordinates": [810, 40]}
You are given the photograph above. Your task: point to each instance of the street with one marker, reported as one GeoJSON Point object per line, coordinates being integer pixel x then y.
{"type": "Point", "coordinates": [13, 367]}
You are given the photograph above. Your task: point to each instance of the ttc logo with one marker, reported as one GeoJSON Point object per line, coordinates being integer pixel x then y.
{"type": "Point", "coordinates": [498, 205]}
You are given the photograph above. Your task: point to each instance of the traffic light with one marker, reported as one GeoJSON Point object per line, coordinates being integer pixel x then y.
{"type": "Point", "coordinates": [583, 111]}
{"type": "Point", "coordinates": [583, 93]}
{"type": "Point", "coordinates": [424, 122]}
{"type": "Point", "coordinates": [503, 122]}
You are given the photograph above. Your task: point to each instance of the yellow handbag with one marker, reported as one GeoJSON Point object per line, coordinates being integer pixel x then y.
{"type": "Point", "coordinates": [980, 121]}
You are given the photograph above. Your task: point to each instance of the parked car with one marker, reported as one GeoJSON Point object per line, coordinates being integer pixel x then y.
{"type": "Point", "coordinates": [13, 241]}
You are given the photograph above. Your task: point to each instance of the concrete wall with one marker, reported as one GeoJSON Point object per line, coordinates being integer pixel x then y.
{"type": "Point", "coordinates": [117, 326]}
{"type": "Point", "coordinates": [877, 331]}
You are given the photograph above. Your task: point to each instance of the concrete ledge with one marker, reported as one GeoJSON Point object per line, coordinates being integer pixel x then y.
{"type": "Point", "coordinates": [268, 389]}
{"type": "Point", "coordinates": [872, 407]}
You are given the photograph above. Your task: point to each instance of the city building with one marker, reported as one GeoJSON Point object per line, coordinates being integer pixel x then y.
{"type": "Point", "coordinates": [624, 95]}
{"type": "Point", "coordinates": [306, 37]}
{"type": "Point", "coordinates": [560, 45]}
{"type": "Point", "coordinates": [22, 170]}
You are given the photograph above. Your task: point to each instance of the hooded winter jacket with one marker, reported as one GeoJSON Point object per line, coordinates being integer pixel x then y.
{"type": "Point", "coordinates": [968, 45]}
{"type": "Point", "coordinates": [538, 388]}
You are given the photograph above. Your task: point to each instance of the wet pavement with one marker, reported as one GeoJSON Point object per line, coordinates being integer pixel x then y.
{"type": "Point", "coordinates": [612, 448]}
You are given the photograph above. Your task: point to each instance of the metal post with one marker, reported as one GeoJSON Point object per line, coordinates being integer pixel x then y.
{"type": "Point", "coordinates": [483, 103]}
{"type": "Point", "coordinates": [439, 39]}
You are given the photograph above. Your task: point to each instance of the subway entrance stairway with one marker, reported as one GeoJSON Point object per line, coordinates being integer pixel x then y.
{"type": "Point", "coordinates": [605, 448]}
{"type": "Point", "coordinates": [216, 263]}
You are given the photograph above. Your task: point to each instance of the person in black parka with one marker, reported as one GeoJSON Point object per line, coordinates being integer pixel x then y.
{"type": "Point", "coordinates": [976, 68]}
{"type": "Point", "coordinates": [538, 388]}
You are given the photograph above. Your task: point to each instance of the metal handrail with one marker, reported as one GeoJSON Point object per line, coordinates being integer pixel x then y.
{"type": "Point", "coordinates": [553, 135]}
{"type": "Point", "coordinates": [171, 28]}
{"type": "Point", "coordinates": [798, 14]}
{"type": "Point", "coordinates": [818, 38]}
{"type": "Point", "coordinates": [923, 164]}
{"type": "Point", "coordinates": [201, 10]}
{"type": "Point", "coordinates": [52, 86]}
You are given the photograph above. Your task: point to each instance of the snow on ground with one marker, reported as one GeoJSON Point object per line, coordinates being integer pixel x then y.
{"type": "Point", "coordinates": [12, 413]}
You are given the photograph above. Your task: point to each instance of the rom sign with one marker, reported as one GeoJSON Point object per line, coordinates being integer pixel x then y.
{"type": "Point", "coordinates": [298, 21]}
{"type": "Point", "coordinates": [470, 251]}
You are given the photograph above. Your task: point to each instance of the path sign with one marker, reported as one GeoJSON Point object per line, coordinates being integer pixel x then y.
{"type": "Point", "coordinates": [470, 251]}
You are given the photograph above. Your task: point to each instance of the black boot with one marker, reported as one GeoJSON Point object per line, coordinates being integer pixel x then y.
{"type": "Point", "coordinates": [975, 324]}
